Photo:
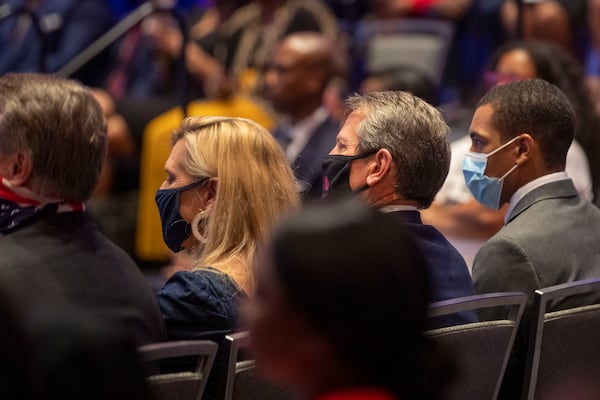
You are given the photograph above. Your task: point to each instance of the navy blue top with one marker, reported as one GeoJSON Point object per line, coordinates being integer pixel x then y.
{"type": "Point", "coordinates": [448, 270]}
{"type": "Point", "coordinates": [202, 305]}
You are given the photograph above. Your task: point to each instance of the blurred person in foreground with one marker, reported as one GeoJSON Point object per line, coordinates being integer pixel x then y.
{"type": "Point", "coordinates": [52, 144]}
{"type": "Point", "coordinates": [393, 152]}
{"type": "Point", "coordinates": [347, 289]}
{"type": "Point", "coordinates": [227, 183]}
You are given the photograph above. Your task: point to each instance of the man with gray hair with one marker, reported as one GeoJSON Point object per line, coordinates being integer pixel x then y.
{"type": "Point", "coordinates": [52, 145]}
{"type": "Point", "coordinates": [393, 151]}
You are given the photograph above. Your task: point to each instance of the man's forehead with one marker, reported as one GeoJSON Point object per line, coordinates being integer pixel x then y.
{"type": "Point", "coordinates": [355, 118]}
{"type": "Point", "coordinates": [483, 125]}
{"type": "Point", "coordinates": [483, 115]}
{"type": "Point", "coordinates": [353, 121]}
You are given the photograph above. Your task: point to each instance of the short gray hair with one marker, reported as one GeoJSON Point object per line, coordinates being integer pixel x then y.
{"type": "Point", "coordinates": [416, 135]}
{"type": "Point", "coordinates": [60, 123]}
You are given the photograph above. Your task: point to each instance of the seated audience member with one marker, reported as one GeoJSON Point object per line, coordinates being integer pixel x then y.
{"type": "Point", "coordinates": [228, 59]}
{"type": "Point", "coordinates": [347, 289]}
{"type": "Point", "coordinates": [52, 144]}
{"type": "Point", "coordinates": [143, 82]}
{"type": "Point", "coordinates": [393, 151]}
{"type": "Point", "coordinates": [67, 27]}
{"type": "Point", "coordinates": [227, 183]}
{"type": "Point", "coordinates": [294, 82]}
{"type": "Point", "coordinates": [520, 134]}
{"type": "Point", "coordinates": [455, 212]}
{"type": "Point", "coordinates": [155, 152]}
{"type": "Point", "coordinates": [558, 21]}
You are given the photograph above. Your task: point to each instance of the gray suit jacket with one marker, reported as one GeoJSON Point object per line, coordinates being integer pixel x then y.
{"type": "Point", "coordinates": [552, 236]}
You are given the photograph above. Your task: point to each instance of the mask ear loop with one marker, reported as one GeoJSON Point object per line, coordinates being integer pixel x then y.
{"type": "Point", "coordinates": [509, 171]}
{"type": "Point", "coordinates": [199, 223]}
{"type": "Point", "coordinates": [516, 164]}
{"type": "Point", "coordinates": [491, 153]}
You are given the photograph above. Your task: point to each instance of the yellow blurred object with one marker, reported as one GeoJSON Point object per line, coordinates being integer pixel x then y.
{"type": "Point", "coordinates": [156, 147]}
{"type": "Point", "coordinates": [248, 80]}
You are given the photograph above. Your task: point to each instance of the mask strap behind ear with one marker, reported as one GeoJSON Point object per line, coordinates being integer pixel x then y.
{"type": "Point", "coordinates": [491, 153]}
{"type": "Point", "coordinates": [509, 171]}
{"type": "Point", "coordinates": [361, 188]}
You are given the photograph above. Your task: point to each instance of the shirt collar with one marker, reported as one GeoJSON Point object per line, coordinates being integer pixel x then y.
{"type": "Point", "coordinates": [534, 184]}
{"type": "Point", "coordinates": [397, 207]}
{"type": "Point", "coordinates": [301, 132]}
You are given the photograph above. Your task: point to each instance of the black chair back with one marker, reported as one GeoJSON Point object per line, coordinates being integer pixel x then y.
{"type": "Point", "coordinates": [183, 385]}
{"type": "Point", "coordinates": [242, 380]}
{"type": "Point", "coordinates": [481, 349]}
{"type": "Point", "coordinates": [562, 344]}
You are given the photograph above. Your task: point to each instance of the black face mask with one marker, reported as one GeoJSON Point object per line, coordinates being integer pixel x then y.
{"type": "Point", "coordinates": [175, 228]}
{"type": "Point", "coordinates": [336, 173]}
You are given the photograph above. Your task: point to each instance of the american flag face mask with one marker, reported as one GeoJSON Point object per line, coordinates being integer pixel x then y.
{"type": "Point", "coordinates": [19, 209]}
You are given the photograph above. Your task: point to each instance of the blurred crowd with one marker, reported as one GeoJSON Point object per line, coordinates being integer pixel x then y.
{"type": "Point", "coordinates": [150, 150]}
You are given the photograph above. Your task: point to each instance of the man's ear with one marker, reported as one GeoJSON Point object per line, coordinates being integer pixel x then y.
{"type": "Point", "coordinates": [524, 150]}
{"type": "Point", "coordinates": [379, 167]}
{"type": "Point", "coordinates": [18, 168]}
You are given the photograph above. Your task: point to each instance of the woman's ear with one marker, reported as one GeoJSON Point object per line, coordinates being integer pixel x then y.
{"type": "Point", "coordinates": [211, 191]}
{"type": "Point", "coordinates": [379, 167]}
{"type": "Point", "coordinates": [17, 168]}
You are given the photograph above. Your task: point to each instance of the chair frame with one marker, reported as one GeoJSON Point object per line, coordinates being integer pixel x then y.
{"type": "Point", "coordinates": [542, 297]}
{"type": "Point", "coordinates": [442, 29]}
{"type": "Point", "coordinates": [206, 351]}
{"type": "Point", "coordinates": [515, 300]}
{"type": "Point", "coordinates": [234, 342]}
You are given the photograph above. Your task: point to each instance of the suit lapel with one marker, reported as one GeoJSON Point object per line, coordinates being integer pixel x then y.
{"type": "Point", "coordinates": [319, 145]}
{"type": "Point", "coordinates": [552, 190]}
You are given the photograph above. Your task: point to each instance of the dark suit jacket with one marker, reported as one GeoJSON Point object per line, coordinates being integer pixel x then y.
{"type": "Point", "coordinates": [307, 166]}
{"type": "Point", "coordinates": [63, 261]}
{"type": "Point", "coordinates": [448, 271]}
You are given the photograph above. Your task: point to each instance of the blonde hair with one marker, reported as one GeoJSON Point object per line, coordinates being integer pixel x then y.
{"type": "Point", "coordinates": [255, 188]}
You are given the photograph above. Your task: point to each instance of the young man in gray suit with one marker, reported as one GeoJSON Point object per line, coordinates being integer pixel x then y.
{"type": "Point", "coordinates": [520, 135]}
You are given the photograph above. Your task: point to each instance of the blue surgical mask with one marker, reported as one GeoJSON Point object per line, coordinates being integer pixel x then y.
{"type": "Point", "coordinates": [175, 229]}
{"type": "Point", "coordinates": [486, 190]}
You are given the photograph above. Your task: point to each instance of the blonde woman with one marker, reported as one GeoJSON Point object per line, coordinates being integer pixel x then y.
{"type": "Point", "coordinates": [227, 183]}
